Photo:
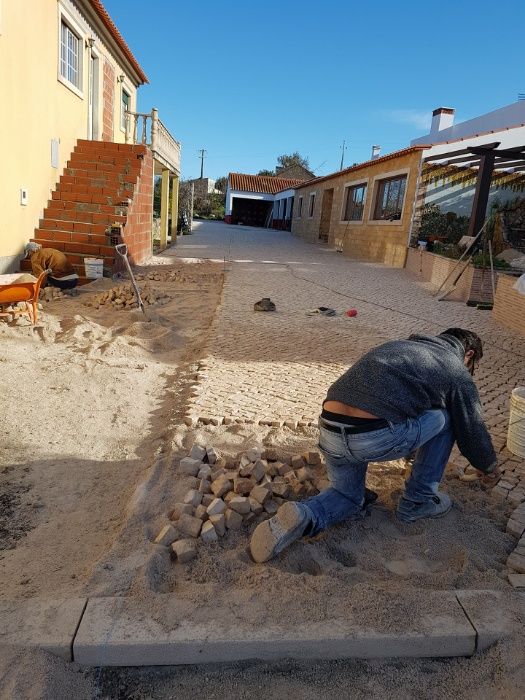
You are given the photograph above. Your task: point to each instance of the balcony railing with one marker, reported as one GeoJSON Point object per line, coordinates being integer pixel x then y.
{"type": "Point", "coordinates": [149, 130]}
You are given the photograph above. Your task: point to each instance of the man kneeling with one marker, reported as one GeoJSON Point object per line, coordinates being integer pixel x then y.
{"type": "Point", "coordinates": [62, 273]}
{"type": "Point", "coordinates": [405, 395]}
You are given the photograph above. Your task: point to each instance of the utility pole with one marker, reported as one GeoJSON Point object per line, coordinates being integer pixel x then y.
{"type": "Point", "coordinates": [343, 149]}
{"type": "Point", "coordinates": [192, 197]}
{"type": "Point", "coordinates": [202, 156]}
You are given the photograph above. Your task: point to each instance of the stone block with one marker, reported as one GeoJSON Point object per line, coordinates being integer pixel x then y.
{"type": "Point", "coordinates": [312, 457]}
{"type": "Point", "coordinates": [254, 453]}
{"type": "Point", "coordinates": [243, 486]}
{"type": "Point", "coordinates": [207, 499]}
{"type": "Point", "coordinates": [204, 472]}
{"type": "Point", "coordinates": [220, 463]}
{"type": "Point", "coordinates": [216, 507]}
{"type": "Point", "coordinates": [212, 455]}
{"type": "Point", "coordinates": [204, 486]}
{"type": "Point", "coordinates": [249, 518]}
{"type": "Point", "coordinates": [280, 489]}
{"type": "Point", "coordinates": [284, 468]}
{"type": "Point", "coordinates": [488, 613]}
{"type": "Point", "coordinates": [297, 462]}
{"type": "Point", "coordinates": [229, 496]}
{"type": "Point", "coordinates": [208, 533]}
{"type": "Point", "coordinates": [233, 520]}
{"type": "Point", "coordinates": [41, 623]}
{"type": "Point", "coordinates": [219, 523]}
{"type": "Point", "coordinates": [189, 525]}
{"type": "Point", "coordinates": [240, 504]}
{"type": "Point", "coordinates": [259, 469]}
{"type": "Point", "coordinates": [271, 507]}
{"type": "Point", "coordinates": [190, 466]}
{"type": "Point", "coordinates": [517, 562]}
{"type": "Point", "coordinates": [198, 452]}
{"type": "Point", "coordinates": [261, 493]}
{"type": "Point", "coordinates": [184, 550]}
{"type": "Point", "coordinates": [246, 470]}
{"type": "Point", "coordinates": [201, 512]}
{"type": "Point", "coordinates": [121, 632]}
{"type": "Point", "coordinates": [517, 580]}
{"type": "Point", "coordinates": [193, 497]}
{"type": "Point", "coordinates": [244, 461]}
{"type": "Point", "coordinates": [221, 486]}
{"type": "Point", "coordinates": [255, 506]}
{"type": "Point", "coordinates": [166, 536]}
{"type": "Point", "coordinates": [304, 474]}
{"type": "Point", "coordinates": [515, 528]}
{"type": "Point", "coordinates": [272, 468]}
{"type": "Point", "coordinates": [270, 454]}
{"type": "Point", "coordinates": [179, 509]}
{"type": "Point", "coordinates": [216, 473]}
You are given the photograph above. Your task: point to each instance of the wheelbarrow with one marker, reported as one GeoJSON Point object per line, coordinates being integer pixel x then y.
{"type": "Point", "coordinates": [14, 292]}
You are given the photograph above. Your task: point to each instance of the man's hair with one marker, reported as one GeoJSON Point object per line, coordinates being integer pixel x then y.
{"type": "Point", "coordinates": [469, 340]}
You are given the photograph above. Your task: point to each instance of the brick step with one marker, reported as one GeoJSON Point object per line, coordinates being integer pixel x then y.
{"type": "Point", "coordinates": [48, 239]}
{"type": "Point", "coordinates": [64, 230]}
{"type": "Point", "coordinates": [100, 167]}
{"type": "Point", "coordinates": [88, 198]}
{"type": "Point", "coordinates": [85, 146]}
{"type": "Point", "coordinates": [94, 158]}
{"type": "Point", "coordinates": [120, 209]}
{"type": "Point", "coordinates": [99, 179]}
{"type": "Point", "coordinates": [114, 189]}
{"type": "Point", "coordinates": [72, 214]}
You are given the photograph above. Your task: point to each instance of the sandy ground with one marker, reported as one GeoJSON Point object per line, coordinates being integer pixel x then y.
{"type": "Point", "coordinates": [93, 403]}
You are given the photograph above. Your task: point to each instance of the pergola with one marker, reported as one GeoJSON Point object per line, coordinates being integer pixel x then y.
{"type": "Point", "coordinates": [486, 159]}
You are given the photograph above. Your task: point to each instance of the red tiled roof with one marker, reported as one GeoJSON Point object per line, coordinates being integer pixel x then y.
{"type": "Point", "coordinates": [366, 164]}
{"type": "Point", "coordinates": [102, 13]}
{"type": "Point", "coordinates": [261, 183]}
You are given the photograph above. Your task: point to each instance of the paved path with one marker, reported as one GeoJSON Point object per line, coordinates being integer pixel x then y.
{"type": "Point", "coordinates": [276, 367]}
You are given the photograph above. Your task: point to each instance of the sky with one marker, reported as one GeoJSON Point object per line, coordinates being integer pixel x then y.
{"type": "Point", "coordinates": [249, 81]}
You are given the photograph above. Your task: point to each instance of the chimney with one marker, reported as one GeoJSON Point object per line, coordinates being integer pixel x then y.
{"type": "Point", "coordinates": [376, 150]}
{"type": "Point", "coordinates": [442, 118]}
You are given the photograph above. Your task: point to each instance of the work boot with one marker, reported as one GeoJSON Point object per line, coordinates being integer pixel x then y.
{"type": "Point", "coordinates": [265, 304]}
{"type": "Point", "coordinates": [275, 534]}
{"type": "Point", "coordinates": [410, 511]}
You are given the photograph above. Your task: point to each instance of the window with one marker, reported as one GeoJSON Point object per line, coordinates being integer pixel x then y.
{"type": "Point", "coordinates": [125, 106]}
{"type": "Point", "coordinates": [70, 55]}
{"type": "Point", "coordinates": [354, 203]}
{"type": "Point", "coordinates": [300, 208]}
{"type": "Point", "coordinates": [389, 201]}
{"type": "Point", "coordinates": [311, 205]}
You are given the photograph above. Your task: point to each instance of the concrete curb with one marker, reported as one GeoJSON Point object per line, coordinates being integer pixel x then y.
{"type": "Point", "coordinates": [124, 632]}
{"type": "Point", "coordinates": [46, 624]}
{"type": "Point", "coordinates": [120, 632]}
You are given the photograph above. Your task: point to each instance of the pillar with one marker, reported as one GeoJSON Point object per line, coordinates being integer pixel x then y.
{"type": "Point", "coordinates": [164, 202]}
{"type": "Point", "coordinates": [174, 207]}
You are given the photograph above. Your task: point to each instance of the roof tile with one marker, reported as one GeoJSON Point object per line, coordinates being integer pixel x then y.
{"type": "Point", "coordinates": [261, 183]}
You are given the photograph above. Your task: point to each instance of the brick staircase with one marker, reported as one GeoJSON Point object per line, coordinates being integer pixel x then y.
{"type": "Point", "coordinates": [104, 184]}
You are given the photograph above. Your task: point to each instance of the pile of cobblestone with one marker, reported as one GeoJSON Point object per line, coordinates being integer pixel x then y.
{"type": "Point", "coordinates": [230, 492]}
{"type": "Point", "coordinates": [122, 296]}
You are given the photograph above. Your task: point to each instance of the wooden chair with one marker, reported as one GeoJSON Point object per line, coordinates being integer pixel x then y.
{"type": "Point", "coordinates": [13, 292]}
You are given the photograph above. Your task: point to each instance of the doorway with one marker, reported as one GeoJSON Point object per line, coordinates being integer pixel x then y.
{"type": "Point", "coordinates": [326, 214]}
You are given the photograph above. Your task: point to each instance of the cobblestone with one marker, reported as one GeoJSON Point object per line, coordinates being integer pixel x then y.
{"type": "Point", "coordinates": [274, 369]}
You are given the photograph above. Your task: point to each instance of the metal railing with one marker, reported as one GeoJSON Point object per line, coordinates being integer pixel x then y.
{"type": "Point", "coordinates": [149, 130]}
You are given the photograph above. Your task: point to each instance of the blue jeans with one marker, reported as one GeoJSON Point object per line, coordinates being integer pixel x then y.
{"type": "Point", "coordinates": [347, 457]}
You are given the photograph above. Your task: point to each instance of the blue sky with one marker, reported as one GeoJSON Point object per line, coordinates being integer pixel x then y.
{"type": "Point", "coordinates": [249, 81]}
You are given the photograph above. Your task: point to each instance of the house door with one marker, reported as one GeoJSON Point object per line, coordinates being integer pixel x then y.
{"type": "Point", "coordinates": [93, 98]}
{"type": "Point", "coordinates": [326, 215]}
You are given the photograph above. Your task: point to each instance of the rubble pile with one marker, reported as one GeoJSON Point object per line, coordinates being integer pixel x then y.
{"type": "Point", "coordinates": [50, 294]}
{"type": "Point", "coordinates": [231, 492]}
{"type": "Point", "coordinates": [122, 296]}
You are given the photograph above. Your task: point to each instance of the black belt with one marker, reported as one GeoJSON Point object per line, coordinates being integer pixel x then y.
{"type": "Point", "coordinates": [372, 424]}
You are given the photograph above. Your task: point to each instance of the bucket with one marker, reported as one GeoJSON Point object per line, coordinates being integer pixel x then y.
{"type": "Point", "coordinates": [516, 434]}
{"type": "Point", "coordinates": [94, 268]}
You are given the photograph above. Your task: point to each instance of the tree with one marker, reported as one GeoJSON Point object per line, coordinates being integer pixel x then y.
{"type": "Point", "coordinates": [287, 160]}
{"type": "Point", "coordinates": [221, 183]}
{"type": "Point", "coordinates": [266, 173]}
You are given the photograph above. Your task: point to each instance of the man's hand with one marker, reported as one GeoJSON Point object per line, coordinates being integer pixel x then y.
{"type": "Point", "coordinates": [488, 481]}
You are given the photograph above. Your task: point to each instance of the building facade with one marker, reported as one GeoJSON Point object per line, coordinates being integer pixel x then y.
{"type": "Point", "coordinates": [69, 106]}
{"type": "Point", "coordinates": [364, 211]}
{"type": "Point", "coordinates": [250, 198]}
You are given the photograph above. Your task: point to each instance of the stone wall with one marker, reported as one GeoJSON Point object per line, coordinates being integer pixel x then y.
{"type": "Point", "coordinates": [509, 306]}
{"type": "Point", "coordinates": [432, 268]}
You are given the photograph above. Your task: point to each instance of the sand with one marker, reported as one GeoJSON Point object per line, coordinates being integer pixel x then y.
{"type": "Point", "coordinates": [93, 403]}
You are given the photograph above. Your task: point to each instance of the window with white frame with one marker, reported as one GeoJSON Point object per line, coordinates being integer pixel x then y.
{"type": "Point", "coordinates": [125, 106]}
{"type": "Point", "coordinates": [300, 208]}
{"type": "Point", "coordinates": [311, 205]}
{"type": "Point", "coordinates": [354, 203]}
{"type": "Point", "coordinates": [389, 198]}
{"type": "Point", "coordinates": [70, 55]}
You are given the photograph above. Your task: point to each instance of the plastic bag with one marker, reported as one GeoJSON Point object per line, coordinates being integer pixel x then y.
{"type": "Point", "coordinates": [520, 284]}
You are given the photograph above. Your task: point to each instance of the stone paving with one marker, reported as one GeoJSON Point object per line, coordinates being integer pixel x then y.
{"type": "Point", "coordinates": [274, 368]}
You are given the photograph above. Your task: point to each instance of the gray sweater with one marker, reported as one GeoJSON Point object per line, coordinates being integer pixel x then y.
{"type": "Point", "coordinates": [403, 378]}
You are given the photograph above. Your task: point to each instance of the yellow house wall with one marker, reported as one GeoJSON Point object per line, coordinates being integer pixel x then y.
{"type": "Point", "coordinates": [369, 240]}
{"type": "Point", "coordinates": [35, 107]}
